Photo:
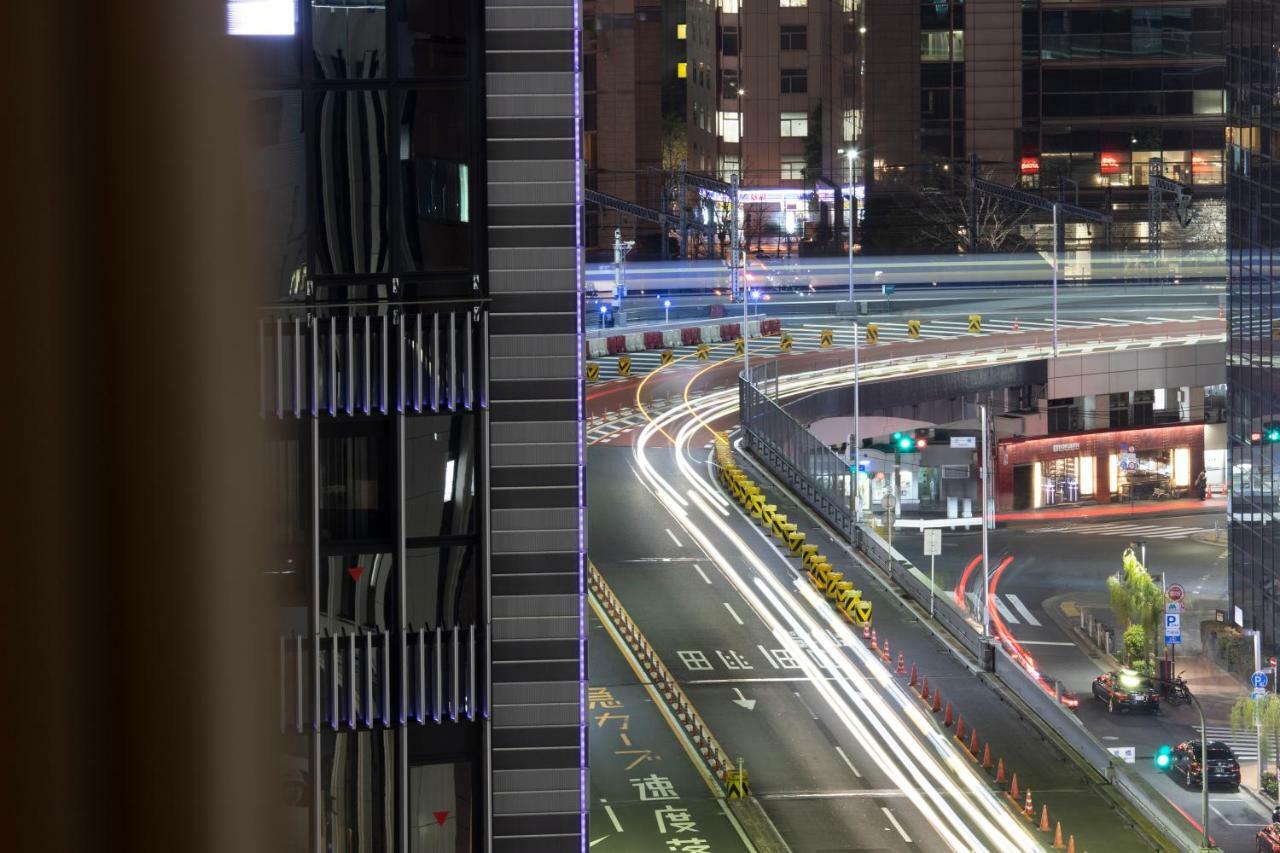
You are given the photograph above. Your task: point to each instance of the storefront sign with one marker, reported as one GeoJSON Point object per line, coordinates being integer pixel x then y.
{"type": "Point", "coordinates": [1110, 164]}
{"type": "Point", "coordinates": [1030, 166]}
{"type": "Point", "coordinates": [969, 442]}
{"type": "Point", "coordinates": [1066, 446]}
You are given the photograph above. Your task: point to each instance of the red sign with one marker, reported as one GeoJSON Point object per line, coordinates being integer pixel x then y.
{"type": "Point", "coordinates": [356, 573]}
{"type": "Point", "coordinates": [440, 817]}
{"type": "Point", "coordinates": [1030, 166]}
{"type": "Point", "coordinates": [1176, 592]}
{"type": "Point", "coordinates": [1110, 164]}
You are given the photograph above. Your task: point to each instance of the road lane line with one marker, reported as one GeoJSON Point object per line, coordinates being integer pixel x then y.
{"type": "Point", "coordinates": [893, 820]}
{"type": "Point", "coordinates": [1004, 611]}
{"type": "Point", "coordinates": [1022, 642]}
{"type": "Point", "coordinates": [1022, 609]}
{"type": "Point", "coordinates": [613, 818]}
{"type": "Point", "coordinates": [673, 537]}
{"type": "Point", "coordinates": [702, 573]}
{"type": "Point", "coordinates": [736, 617]}
{"type": "Point", "coordinates": [848, 762]}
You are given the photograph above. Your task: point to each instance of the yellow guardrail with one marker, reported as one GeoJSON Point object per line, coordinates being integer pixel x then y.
{"type": "Point", "coordinates": [830, 583]}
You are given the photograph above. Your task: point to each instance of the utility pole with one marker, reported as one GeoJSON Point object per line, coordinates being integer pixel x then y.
{"type": "Point", "coordinates": [984, 417]}
{"type": "Point", "coordinates": [1057, 225]}
{"type": "Point", "coordinates": [735, 285]}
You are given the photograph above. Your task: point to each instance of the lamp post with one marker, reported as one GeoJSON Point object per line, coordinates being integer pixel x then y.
{"type": "Point", "coordinates": [852, 155]}
{"type": "Point", "coordinates": [666, 304]}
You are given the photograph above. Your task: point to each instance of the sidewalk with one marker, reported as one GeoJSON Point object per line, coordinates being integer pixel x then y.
{"type": "Point", "coordinates": [1181, 506]}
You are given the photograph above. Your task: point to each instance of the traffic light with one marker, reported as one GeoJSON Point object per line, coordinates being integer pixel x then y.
{"type": "Point", "coordinates": [1270, 433]}
{"type": "Point", "coordinates": [905, 442]}
{"type": "Point", "coordinates": [1163, 757]}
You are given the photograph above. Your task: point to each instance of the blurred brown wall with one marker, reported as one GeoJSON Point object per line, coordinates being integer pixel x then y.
{"type": "Point", "coordinates": [133, 635]}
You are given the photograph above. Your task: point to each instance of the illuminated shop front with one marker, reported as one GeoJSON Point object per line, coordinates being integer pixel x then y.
{"type": "Point", "coordinates": [1146, 463]}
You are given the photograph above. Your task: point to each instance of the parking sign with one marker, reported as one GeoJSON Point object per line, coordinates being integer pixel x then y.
{"type": "Point", "coordinates": [1172, 628]}
{"type": "Point", "coordinates": [1260, 680]}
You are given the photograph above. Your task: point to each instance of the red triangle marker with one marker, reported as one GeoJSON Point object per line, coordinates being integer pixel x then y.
{"type": "Point", "coordinates": [356, 573]}
{"type": "Point", "coordinates": [441, 817]}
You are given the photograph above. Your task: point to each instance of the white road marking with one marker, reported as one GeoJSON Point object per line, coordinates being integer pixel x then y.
{"type": "Point", "coordinates": [848, 762]}
{"type": "Point", "coordinates": [702, 573]}
{"type": "Point", "coordinates": [1230, 821]}
{"type": "Point", "coordinates": [598, 840]}
{"type": "Point", "coordinates": [1022, 609]}
{"type": "Point", "coordinates": [735, 616]}
{"type": "Point", "coordinates": [673, 537]}
{"type": "Point", "coordinates": [1044, 643]}
{"type": "Point", "coordinates": [893, 820]}
{"type": "Point", "coordinates": [1005, 614]}
{"type": "Point", "coordinates": [613, 818]}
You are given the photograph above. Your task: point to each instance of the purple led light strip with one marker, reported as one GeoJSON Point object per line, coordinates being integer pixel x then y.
{"type": "Point", "coordinates": [578, 347]}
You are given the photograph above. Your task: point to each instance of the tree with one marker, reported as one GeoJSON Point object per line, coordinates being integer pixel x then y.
{"type": "Point", "coordinates": [1248, 714]}
{"type": "Point", "coordinates": [1135, 644]}
{"type": "Point", "coordinates": [1136, 601]}
{"type": "Point", "coordinates": [944, 208]}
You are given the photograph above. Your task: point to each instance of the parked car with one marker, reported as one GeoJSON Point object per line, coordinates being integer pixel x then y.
{"type": "Point", "coordinates": [1126, 691]}
{"type": "Point", "coordinates": [1224, 767]}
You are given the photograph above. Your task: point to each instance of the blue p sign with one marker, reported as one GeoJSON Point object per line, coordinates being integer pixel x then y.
{"type": "Point", "coordinates": [1260, 680]}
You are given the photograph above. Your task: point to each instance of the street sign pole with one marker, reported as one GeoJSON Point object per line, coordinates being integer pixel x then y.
{"type": "Point", "coordinates": [932, 547]}
{"type": "Point", "coordinates": [986, 506]}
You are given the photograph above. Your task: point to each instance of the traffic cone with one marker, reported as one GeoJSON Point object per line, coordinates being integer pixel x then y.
{"type": "Point", "coordinates": [946, 721]}
{"type": "Point", "coordinates": [937, 701]}
{"type": "Point", "coordinates": [902, 665]}
{"type": "Point", "coordinates": [1071, 844]}
{"type": "Point", "coordinates": [866, 633]}
{"type": "Point", "coordinates": [1013, 787]}
{"type": "Point", "coordinates": [924, 690]}
{"type": "Point", "coordinates": [1044, 818]}
{"type": "Point", "coordinates": [1221, 312]}
{"type": "Point", "coordinates": [973, 742]}
{"type": "Point", "coordinates": [986, 756]}
{"type": "Point", "coordinates": [1029, 809]}
{"type": "Point", "coordinates": [884, 653]}
{"type": "Point", "coordinates": [1057, 837]}
{"type": "Point", "coordinates": [960, 728]}
{"type": "Point", "coordinates": [1000, 772]}
{"type": "Point", "coordinates": [874, 647]}
{"type": "Point", "coordinates": [1015, 323]}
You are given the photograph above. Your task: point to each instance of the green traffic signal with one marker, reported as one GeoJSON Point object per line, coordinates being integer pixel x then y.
{"type": "Point", "coordinates": [1164, 757]}
{"type": "Point", "coordinates": [1271, 433]}
{"type": "Point", "coordinates": [906, 443]}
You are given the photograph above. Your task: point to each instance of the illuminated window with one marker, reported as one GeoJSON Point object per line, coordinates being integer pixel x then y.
{"type": "Point", "coordinates": [792, 4]}
{"type": "Point", "coordinates": [729, 6]}
{"type": "Point", "coordinates": [682, 31]}
{"type": "Point", "coordinates": [260, 17]}
{"type": "Point", "coordinates": [942, 46]}
{"type": "Point", "coordinates": [1207, 102]}
{"type": "Point", "coordinates": [729, 164]}
{"type": "Point", "coordinates": [792, 168]}
{"type": "Point", "coordinates": [682, 70]}
{"type": "Point", "coordinates": [727, 126]}
{"type": "Point", "coordinates": [795, 124]}
{"type": "Point", "coordinates": [852, 125]}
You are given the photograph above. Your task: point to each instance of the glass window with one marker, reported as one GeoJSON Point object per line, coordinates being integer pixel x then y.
{"type": "Point", "coordinates": [349, 159]}
{"type": "Point", "coordinates": [727, 125]}
{"type": "Point", "coordinates": [682, 70]}
{"type": "Point", "coordinates": [795, 38]}
{"type": "Point", "coordinates": [1208, 102]}
{"type": "Point", "coordinates": [792, 4]}
{"type": "Point", "coordinates": [729, 41]}
{"type": "Point", "coordinates": [942, 46]}
{"type": "Point", "coordinates": [792, 168]}
{"type": "Point", "coordinates": [795, 124]}
{"type": "Point", "coordinates": [355, 481]}
{"type": "Point", "coordinates": [795, 81]}
{"type": "Point", "coordinates": [729, 164]}
{"type": "Point", "coordinates": [729, 83]}
{"type": "Point", "coordinates": [435, 179]}
{"type": "Point", "coordinates": [440, 586]}
{"type": "Point", "coordinates": [682, 31]}
{"type": "Point", "coordinates": [852, 125]}
{"type": "Point", "coordinates": [359, 800]}
{"type": "Point", "coordinates": [279, 176]}
{"type": "Point", "coordinates": [432, 37]}
{"type": "Point", "coordinates": [349, 42]}
{"type": "Point", "coordinates": [439, 476]}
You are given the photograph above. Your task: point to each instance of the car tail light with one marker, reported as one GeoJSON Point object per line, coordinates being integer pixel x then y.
{"type": "Point", "coordinates": [1233, 766]}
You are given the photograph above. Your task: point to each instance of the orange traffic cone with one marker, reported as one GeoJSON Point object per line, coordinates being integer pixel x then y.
{"type": "Point", "coordinates": [902, 665]}
{"type": "Point", "coordinates": [874, 647]}
{"type": "Point", "coordinates": [866, 633]}
{"type": "Point", "coordinates": [1071, 844]}
{"type": "Point", "coordinates": [1015, 324]}
{"type": "Point", "coordinates": [924, 688]}
{"type": "Point", "coordinates": [1013, 788]}
{"type": "Point", "coordinates": [1000, 772]}
{"type": "Point", "coordinates": [1028, 809]}
{"type": "Point", "coordinates": [884, 653]}
{"type": "Point", "coordinates": [937, 701]}
{"type": "Point", "coordinates": [986, 756]}
{"type": "Point", "coordinates": [1044, 818]}
{"type": "Point", "coordinates": [973, 742]}
{"type": "Point", "coordinates": [960, 729]}
{"type": "Point", "coordinates": [1057, 837]}
{"type": "Point", "coordinates": [946, 721]}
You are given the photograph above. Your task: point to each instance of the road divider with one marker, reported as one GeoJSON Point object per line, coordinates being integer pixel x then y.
{"type": "Point", "coordinates": [607, 345]}
{"type": "Point", "coordinates": [847, 600]}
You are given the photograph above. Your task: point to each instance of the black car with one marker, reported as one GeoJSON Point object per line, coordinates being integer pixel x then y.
{"type": "Point", "coordinates": [1224, 768]}
{"type": "Point", "coordinates": [1126, 691]}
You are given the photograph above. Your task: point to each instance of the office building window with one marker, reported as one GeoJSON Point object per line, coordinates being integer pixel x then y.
{"type": "Point", "coordinates": [729, 164]}
{"type": "Point", "coordinates": [795, 81]}
{"type": "Point", "coordinates": [852, 124]}
{"type": "Point", "coordinates": [942, 47]}
{"type": "Point", "coordinates": [728, 124]}
{"type": "Point", "coordinates": [792, 168]}
{"type": "Point", "coordinates": [792, 4]}
{"type": "Point", "coordinates": [795, 38]}
{"type": "Point", "coordinates": [795, 124]}
{"type": "Point", "coordinates": [682, 31]}
{"type": "Point", "coordinates": [729, 84]}
{"type": "Point", "coordinates": [682, 70]}
{"type": "Point", "coordinates": [729, 41]}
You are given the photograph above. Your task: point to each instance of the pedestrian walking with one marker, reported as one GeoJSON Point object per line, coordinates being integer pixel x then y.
{"type": "Point", "coordinates": [1201, 482]}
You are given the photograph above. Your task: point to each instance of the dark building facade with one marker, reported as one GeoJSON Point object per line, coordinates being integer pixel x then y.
{"type": "Point", "coordinates": [419, 181]}
{"type": "Point", "coordinates": [1253, 196]}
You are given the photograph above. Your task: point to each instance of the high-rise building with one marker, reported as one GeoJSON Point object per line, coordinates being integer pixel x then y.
{"type": "Point", "coordinates": [1054, 94]}
{"type": "Point", "coordinates": [1253, 229]}
{"type": "Point", "coordinates": [420, 350]}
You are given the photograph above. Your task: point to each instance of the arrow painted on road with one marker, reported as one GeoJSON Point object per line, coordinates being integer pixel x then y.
{"type": "Point", "coordinates": [598, 840]}
{"type": "Point", "coordinates": [742, 701]}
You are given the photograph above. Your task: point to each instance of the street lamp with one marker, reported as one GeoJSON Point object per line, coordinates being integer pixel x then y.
{"type": "Point", "coordinates": [852, 155]}
{"type": "Point", "coordinates": [755, 296]}
{"type": "Point", "coordinates": [604, 311]}
{"type": "Point", "coordinates": [666, 303]}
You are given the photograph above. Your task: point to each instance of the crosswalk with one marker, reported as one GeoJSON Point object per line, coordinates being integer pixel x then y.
{"type": "Point", "coordinates": [806, 338]}
{"type": "Point", "coordinates": [1126, 529]}
{"type": "Point", "coordinates": [1243, 744]}
{"type": "Point", "coordinates": [1010, 608]}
